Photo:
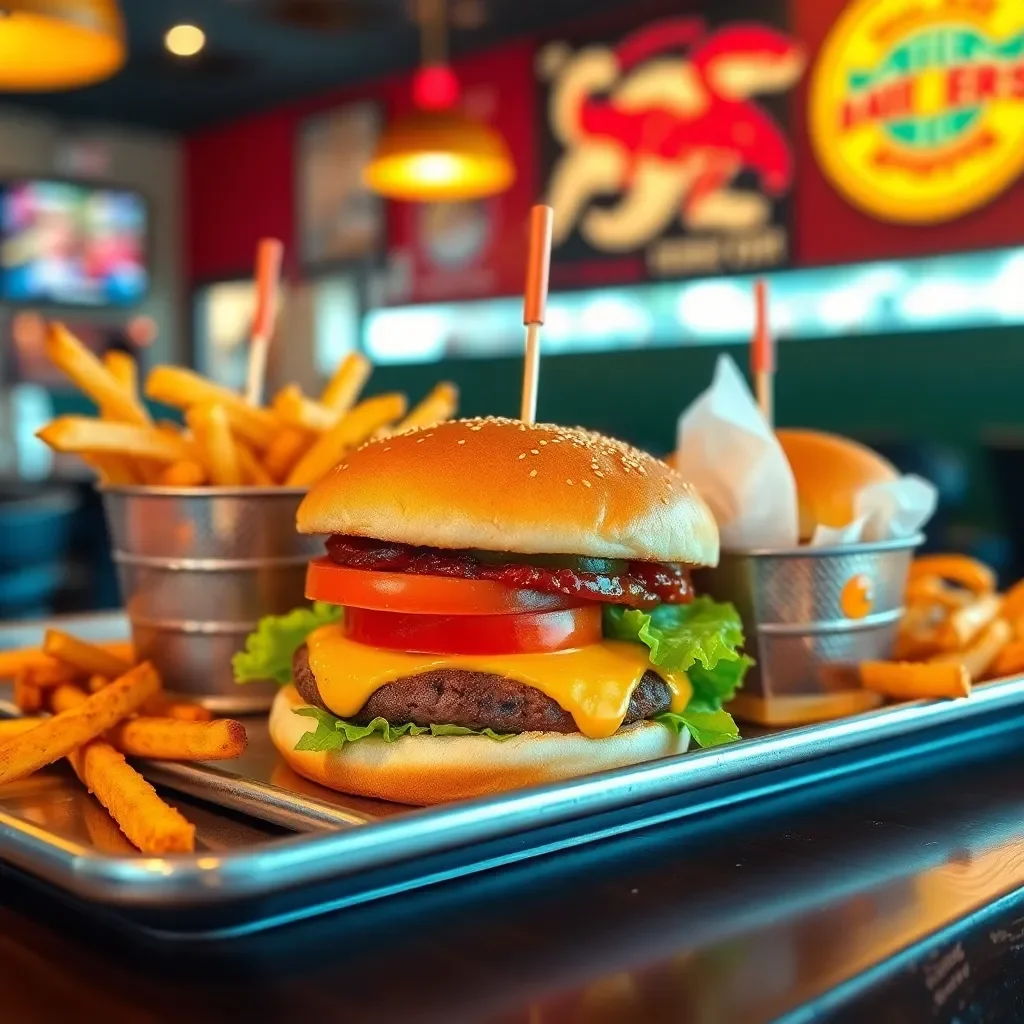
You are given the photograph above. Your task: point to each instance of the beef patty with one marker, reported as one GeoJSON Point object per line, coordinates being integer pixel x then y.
{"type": "Point", "coordinates": [476, 700]}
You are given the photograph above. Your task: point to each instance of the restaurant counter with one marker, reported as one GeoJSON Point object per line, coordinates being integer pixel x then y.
{"type": "Point", "coordinates": [892, 896]}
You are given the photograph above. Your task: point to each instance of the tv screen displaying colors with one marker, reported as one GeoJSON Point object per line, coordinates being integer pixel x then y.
{"type": "Point", "coordinates": [72, 244]}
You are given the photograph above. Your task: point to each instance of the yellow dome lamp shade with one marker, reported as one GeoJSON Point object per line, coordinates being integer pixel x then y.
{"type": "Point", "coordinates": [436, 156]}
{"type": "Point", "coordinates": [49, 45]}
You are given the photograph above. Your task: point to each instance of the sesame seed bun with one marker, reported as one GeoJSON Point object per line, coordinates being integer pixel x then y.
{"type": "Point", "coordinates": [503, 485]}
{"type": "Point", "coordinates": [830, 471]}
{"type": "Point", "coordinates": [436, 769]}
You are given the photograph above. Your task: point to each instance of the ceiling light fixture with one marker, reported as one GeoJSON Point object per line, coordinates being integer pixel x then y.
{"type": "Point", "coordinates": [185, 40]}
{"type": "Point", "coordinates": [438, 153]}
{"type": "Point", "coordinates": [47, 45]}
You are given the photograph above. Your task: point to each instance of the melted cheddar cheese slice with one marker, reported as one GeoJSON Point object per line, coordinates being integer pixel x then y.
{"type": "Point", "coordinates": [594, 683]}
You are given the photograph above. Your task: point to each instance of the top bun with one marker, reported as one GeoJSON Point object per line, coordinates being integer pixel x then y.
{"type": "Point", "coordinates": [829, 472]}
{"type": "Point", "coordinates": [504, 485]}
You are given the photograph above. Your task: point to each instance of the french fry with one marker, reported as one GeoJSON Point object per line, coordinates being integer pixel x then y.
{"type": "Point", "coordinates": [349, 432]}
{"type": "Point", "coordinates": [296, 410]}
{"type": "Point", "coordinates": [348, 381]}
{"type": "Point", "coordinates": [931, 590]}
{"type": "Point", "coordinates": [16, 659]}
{"type": "Point", "coordinates": [982, 653]}
{"type": "Point", "coordinates": [58, 736]}
{"type": "Point", "coordinates": [113, 470]}
{"type": "Point", "coordinates": [82, 435]}
{"type": "Point", "coordinates": [285, 450]}
{"type": "Point", "coordinates": [1009, 661]}
{"type": "Point", "coordinates": [439, 405]}
{"type": "Point", "coordinates": [153, 826]}
{"type": "Point", "coordinates": [16, 726]}
{"type": "Point", "coordinates": [906, 680]}
{"type": "Point", "coordinates": [254, 472]}
{"type": "Point", "coordinates": [959, 569]}
{"type": "Point", "coordinates": [104, 832]}
{"type": "Point", "coordinates": [186, 473]}
{"type": "Point", "coordinates": [209, 426]}
{"type": "Point", "coordinates": [48, 676]}
{"type": "Point", "coordinates": [183, 389]}
{"type": "Point", "coordinates": [964, 624]}
{"type": "Point", "coordinates": [160, 707]}
{"type": "Point", "coordinates": [123, 368]}
{"type": "Point", "coordinates": [67, 696]}
{"type": "Point", "coordinates": [172, 740]}
{"type": "Point", "coordinates": [83, 656]}
{"type": "Point", "coordinates": [28, 697]}
{"type": "Point", "coordinates": [65, 351]}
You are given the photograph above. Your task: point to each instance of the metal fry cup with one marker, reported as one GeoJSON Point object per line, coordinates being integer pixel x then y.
{"type": "Point", "coordinates": [198, 568]}
{"type": "Point", "coordinates": [811, 615]}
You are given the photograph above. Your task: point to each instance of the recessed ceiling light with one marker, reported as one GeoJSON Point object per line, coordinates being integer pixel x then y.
{"type": "Point", "coordinates": [185, 40]}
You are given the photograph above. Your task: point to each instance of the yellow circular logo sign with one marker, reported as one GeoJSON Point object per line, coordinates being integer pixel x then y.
{"type": "Point", "coordinates": [917, 106]}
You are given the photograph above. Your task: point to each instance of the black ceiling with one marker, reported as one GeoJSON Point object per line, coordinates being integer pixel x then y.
{"type": "Point", "coordinates": [263, 52]}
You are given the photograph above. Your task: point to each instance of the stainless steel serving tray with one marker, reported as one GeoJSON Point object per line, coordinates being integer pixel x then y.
{"type": "Point", "coordinates": [251, 871]}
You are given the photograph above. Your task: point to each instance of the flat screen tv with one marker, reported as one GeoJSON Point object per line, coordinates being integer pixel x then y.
{"type": "Point", "coordinates": [72, 244]}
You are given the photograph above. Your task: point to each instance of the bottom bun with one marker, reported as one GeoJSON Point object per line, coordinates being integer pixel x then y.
{"type": "Point", "coordinates": [435, 769]}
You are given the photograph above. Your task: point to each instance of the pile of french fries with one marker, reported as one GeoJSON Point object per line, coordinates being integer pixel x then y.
{"type": "Point", "coordinates": [957, 631]}
{"type": "Point", "coordinates": [90, 703]}
{"type": "Point", "coordinates": [225, 441]}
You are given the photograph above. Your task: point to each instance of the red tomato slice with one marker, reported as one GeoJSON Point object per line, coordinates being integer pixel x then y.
{"type": "Point", "coordinates": [435, 595]}
{"type": "Point", "coordinates": [525, 633]}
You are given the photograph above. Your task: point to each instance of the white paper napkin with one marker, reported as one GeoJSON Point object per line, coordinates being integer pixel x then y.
{"type": "Point", "coordinates": [730, 454]}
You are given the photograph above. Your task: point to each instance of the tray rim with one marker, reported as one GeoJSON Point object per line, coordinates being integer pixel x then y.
{"type": "Point", "coordinates": [305, 859]}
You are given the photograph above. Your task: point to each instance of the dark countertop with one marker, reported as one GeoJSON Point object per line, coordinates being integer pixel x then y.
{"type": "Point", "coordinates": [889, 897]}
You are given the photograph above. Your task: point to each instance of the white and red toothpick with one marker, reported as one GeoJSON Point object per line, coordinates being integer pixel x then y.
{"type": "Point", "coordinates": [538, 266]}
{"type": "Point", "coordinates": [762, 354]}
{"type": "Point", "coordinates": [269, 254]}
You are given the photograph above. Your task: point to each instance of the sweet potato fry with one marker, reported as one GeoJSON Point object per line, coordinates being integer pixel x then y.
{"type": "Point", "coordinates": [96, 683]}
{"type": "Point", "coordinates": [28, 697]}
{"type": "Point", "coordinates": [105, 833]}
{"type": "Point", "coordinates": [1009, 661]}
{"type": "Point", "coordinates": [16, 726]}
{"type": "Point", "coordinates": [959, 569]}
{"type": "Point", "coordinates": [905, 680]}
{"type": "Point", "coordinates": [328, 450]}
{"type": "Point", "coordinates": [161, 707]}
{"type": "Point", "coordinates": [12, 661]}
{"type": "Point", "coordinates": [171, 740]}
{"type": "Point", "coordinates": [966, 622]}
{"type": "Point", "coordinates": [153, 826]}
{"type": "Point", "coordinates": [86, 658]}
{"type": "Point", "coordinates": [349, 379]}
{"type": "Point", "coordinates": [65, 351]}
{"type": "Point", "coordinates": [983, 652]}
{"type": "Point", "coordinates": [67, 696]}
{"type": "Point", "coordinates": [58, 736]}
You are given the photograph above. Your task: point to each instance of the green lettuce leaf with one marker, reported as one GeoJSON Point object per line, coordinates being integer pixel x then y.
{"type": "Point", "coordinates": [269, 650]}
{"type": "Point", "coordinates": [333, 733]}
{"type": "Point", "coordinates": [708, 729]}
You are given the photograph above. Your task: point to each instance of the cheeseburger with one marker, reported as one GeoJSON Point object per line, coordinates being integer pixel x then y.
{"type": "Point", "coordinates": [500, 604]}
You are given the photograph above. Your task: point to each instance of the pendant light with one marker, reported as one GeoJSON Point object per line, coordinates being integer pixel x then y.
{"type": "Point", "coordinates": [48, 45]}
{"type": "Point", "coordinates": [438, 153]}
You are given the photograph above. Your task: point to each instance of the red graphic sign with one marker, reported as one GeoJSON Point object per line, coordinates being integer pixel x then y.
{"type": "Point", "coordinates": [666, 159]}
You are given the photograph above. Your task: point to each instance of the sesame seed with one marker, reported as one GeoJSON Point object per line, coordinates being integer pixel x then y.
{"type": "Point", "coordinates": [534, 451]}
{"type": "Point", "coordinates": [523, 456]}
{"type": "Point", "coordinates": [420, 440]}
{"type": "Point", "coordinates": [569, 482]}
{"type": "Point", "coordinates": [597, 472]}
{"type": "Point", "coordinates": [586, 483]}
{"type": "Point", "coordinates": [463, 441]}
{"type": "Point", "coordinates": [533, 472]}
{"type": "Point", "coordinates": [387, 448]}
{"type": "Point", "coordinates": [542, 443]}
{"type": "Point", "coordinates": [344, 465]}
